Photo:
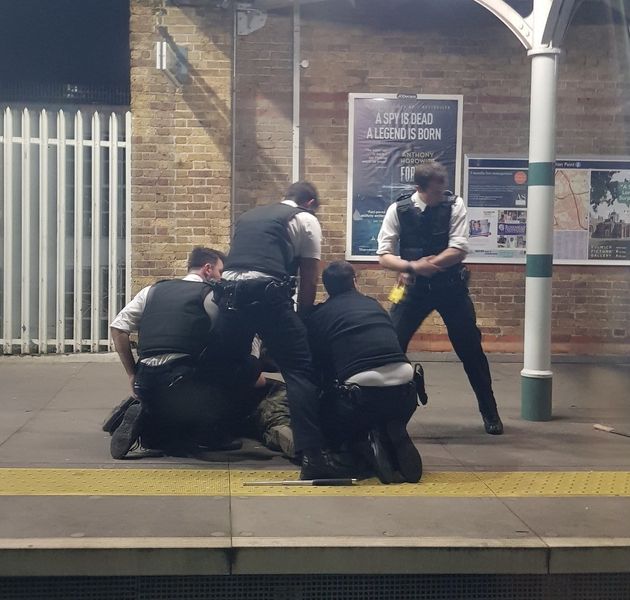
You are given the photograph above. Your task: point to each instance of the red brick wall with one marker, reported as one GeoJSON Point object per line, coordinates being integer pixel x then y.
{"type": "Point", "coordinates": [359, 52]}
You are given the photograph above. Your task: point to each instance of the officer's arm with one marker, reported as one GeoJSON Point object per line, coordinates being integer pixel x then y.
{"type": "Point", "coordinates": [457, 239]}
{"type": "Point", "coordinates": [123, 347]}
{"type": "Point", "coordinates": [309, 276]}
{"type": "Point", "coordinates": [394, 263]}
{"type": "Point", "coordinates": [448, 258]}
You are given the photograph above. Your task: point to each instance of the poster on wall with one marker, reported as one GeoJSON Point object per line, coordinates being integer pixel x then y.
{"type": "Point", "coordinates": [389, 134]}
{"type": "Point", "coordinates": [591, 210]}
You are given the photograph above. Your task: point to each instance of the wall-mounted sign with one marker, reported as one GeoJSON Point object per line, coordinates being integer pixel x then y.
{"type": "Point", "coordinates": [389, 134]}
{"type": "Point", "coordinates": [591, 211]}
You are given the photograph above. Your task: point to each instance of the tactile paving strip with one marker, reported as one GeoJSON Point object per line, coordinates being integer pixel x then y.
{"type": "Point", "coordinates": [557, 483]}
{"type": "Point", "coordinates": [445, 483]}
{"type": "Point", "coordinates": [221, 482]}
{"type": "Point", "coordinates": [114, 482]}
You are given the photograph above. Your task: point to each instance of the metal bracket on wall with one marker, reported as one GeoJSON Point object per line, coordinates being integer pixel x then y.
{"type": "Point", "coordinates": [171, 58]}
{"type": "Point", "coordinates": [249, 19]}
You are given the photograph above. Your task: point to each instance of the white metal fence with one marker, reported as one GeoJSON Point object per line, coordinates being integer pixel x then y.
{"type": "Point", "coordinates": [64, 227]}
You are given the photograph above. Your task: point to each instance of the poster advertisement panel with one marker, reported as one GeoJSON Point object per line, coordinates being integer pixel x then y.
{"type": "Point", "coordinates": [389, 134]}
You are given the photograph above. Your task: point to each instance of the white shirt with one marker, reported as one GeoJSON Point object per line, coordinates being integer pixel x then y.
{"type": "Point", "coordinates": [388, 375]}
{"type": "Point", "coordinates": [129, 317]}
{"type": "Point", "coordinates": [389, 235]}
{"type": "Point", "coordinates": [305, 235]}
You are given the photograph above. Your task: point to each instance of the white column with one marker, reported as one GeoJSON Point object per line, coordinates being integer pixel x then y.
{"type": "Point", "coordinates": [536, 376]}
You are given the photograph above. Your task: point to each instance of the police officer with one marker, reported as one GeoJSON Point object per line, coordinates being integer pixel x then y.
{"type": "Point", "coordinates": [429, 227]}
{"type": "Point", "coordinates": [177, 398]}
{"type": "Point", "coordinates": [369, 392]}
{"type": "Point", "coordinates": [271, 245]}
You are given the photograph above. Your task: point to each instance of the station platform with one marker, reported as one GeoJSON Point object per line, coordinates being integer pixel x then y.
{"type": "Point", "coordinates": [543, 499]}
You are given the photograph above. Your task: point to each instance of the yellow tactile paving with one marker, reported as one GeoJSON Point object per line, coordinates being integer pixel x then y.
{"type": "Point", "coordinates": [114, 482]}
{"type": "Point", "coordinates": [444, 483]}
{"type": "Point", "coordinates": [557, 483]}
{"type": "Point", "coordinates": [221, 482]}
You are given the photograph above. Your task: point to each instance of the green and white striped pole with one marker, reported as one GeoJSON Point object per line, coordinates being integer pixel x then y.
{"type": "Point", "coordinates": [536, 376]}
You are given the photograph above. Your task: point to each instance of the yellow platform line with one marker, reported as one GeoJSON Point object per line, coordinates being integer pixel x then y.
{"type": "Point", "coordinates": [221, 482]}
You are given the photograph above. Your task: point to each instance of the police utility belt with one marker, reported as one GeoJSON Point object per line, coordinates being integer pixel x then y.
{"type": "Point", "coordinates": [244, 293]}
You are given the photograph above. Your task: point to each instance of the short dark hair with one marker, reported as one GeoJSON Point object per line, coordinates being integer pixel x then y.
{"type": "Point", "coordinates": [301, 192]}
{"type": "Point", "coordinates": [202, 256]}
{"type": "Point", "coordinates": [428, 171]}
{"type": "Point", "coordinates": [338, 277]}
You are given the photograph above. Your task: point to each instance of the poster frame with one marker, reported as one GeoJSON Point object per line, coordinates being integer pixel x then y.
{"type": "Point", "coordinates": [556, 261]}
{"type": "Point", "coordinates": [459, 98]}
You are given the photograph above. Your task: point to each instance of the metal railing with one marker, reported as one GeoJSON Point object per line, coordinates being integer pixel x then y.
{"type": "Point", "coordinates": [65, 238]}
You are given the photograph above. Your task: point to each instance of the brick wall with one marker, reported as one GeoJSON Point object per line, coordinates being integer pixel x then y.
{"type": "Point", "coordinates": [181, 161]}
{"type": "Point", "coordinates": [181, 158]}
{"type": "Point", "coordinates": [471, 54]}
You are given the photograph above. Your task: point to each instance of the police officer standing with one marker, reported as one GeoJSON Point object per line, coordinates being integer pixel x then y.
{"type": "Point", "coordinates": [429, 227]}
{"type": "Point", "coordinates": [271, 245]}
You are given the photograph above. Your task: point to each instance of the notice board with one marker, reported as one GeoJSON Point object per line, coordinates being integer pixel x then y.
{"type": "Point", "coordinates": [591, 210]}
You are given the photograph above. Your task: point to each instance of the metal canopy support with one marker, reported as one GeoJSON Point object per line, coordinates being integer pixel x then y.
{"type": "Point", "coordinates": [521, 27]}
{"type": "Point", "coordinates": [541, 33]}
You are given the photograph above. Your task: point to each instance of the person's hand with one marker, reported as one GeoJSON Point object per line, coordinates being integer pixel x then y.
{"type": "Point", "coordinates": [424, 268]}
{"type": "Point", "coordinates": [132, 379]}
{"type": "Point", "coordinates": [404, 279]}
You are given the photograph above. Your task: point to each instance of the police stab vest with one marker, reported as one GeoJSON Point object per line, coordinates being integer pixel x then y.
{"type": "Point", "coordinates": [174, 319]}
{"type": "Point", "coordinates": [261, 241]}
{"type": "Point", "coordinates": [424, 232]}
{"type": "Point", "coordinates": [352, 333]}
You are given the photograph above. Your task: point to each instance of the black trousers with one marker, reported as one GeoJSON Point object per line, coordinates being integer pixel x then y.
{"type": "Point", "coordinates": [285, 336]}
{"type": "Point", "coordinates": [183, 407]}
{"type": "Point", "coordinates": [348, 414]}
{"type": "Point", "coordinates": [454, 305]}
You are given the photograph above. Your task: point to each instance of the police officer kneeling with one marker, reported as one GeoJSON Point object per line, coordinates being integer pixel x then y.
{"type": "Point", "coordinates": [179, 399]}
{"type": "Point", "coordinates": [369, 392]}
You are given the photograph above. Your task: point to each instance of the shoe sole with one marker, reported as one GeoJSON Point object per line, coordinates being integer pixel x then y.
{"type": "Point", "coordinates": [117, 415]}
{"type": "Point", "coordinates": [380, 458]}
{"type": "Point", "coordinates": [127, 432]}
{"type": "Point", "coordinates": [407, 455]}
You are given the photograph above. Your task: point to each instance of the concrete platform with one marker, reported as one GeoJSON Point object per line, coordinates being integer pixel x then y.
{"type": "Point", "coordinates": [543, 498]}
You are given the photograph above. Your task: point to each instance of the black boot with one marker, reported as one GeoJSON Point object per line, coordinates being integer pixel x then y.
{"type": "Point", "coordinates": [492, 423]}
{"type": "Point", "coordinates": [116, 416]}
{"type": "Point", "coordinates": [323, 464]}
{"type": "Point", "coordinates": [128, 432]}
{"type": "Point", "coordinates": [381, 457]}
{"type": "Point", "coordinates": [406, 455]}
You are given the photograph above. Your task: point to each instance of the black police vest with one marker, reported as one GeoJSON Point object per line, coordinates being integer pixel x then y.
{"type": "Point", "coordinates": [424, 232]}
{"type": "Point", "coordinates": [351, 333]}
{"type": "Point", "coordinates": [261, 241]}
{"type": "Point", "coordinates": [174, 319]}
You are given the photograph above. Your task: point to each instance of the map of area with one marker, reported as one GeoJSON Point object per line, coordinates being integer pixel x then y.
{"type": "Point", "coordinates": [573, 188]}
